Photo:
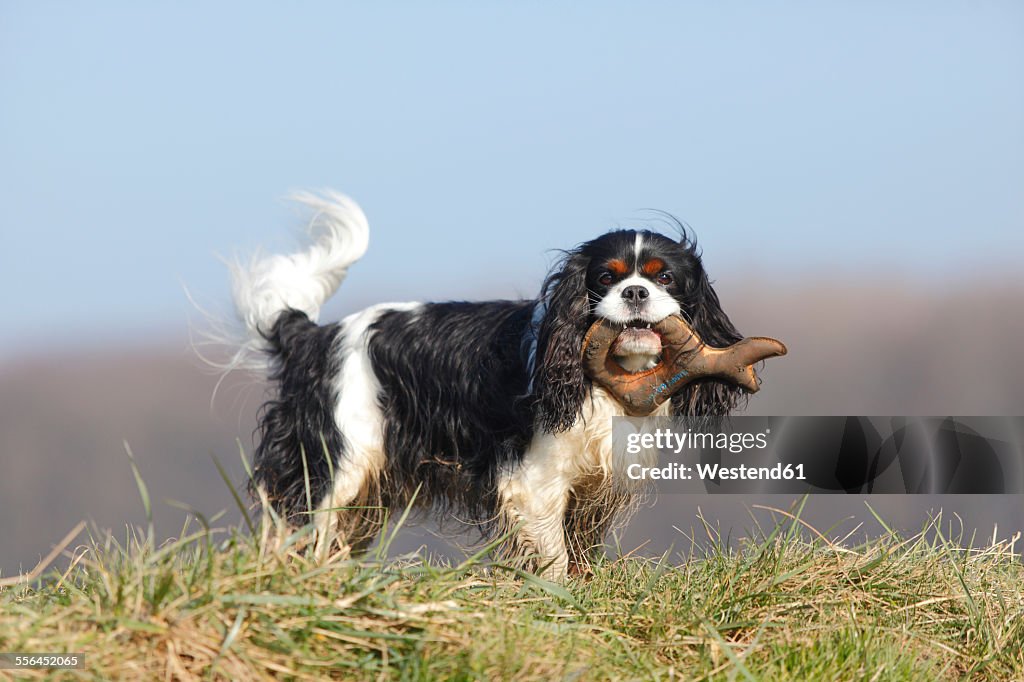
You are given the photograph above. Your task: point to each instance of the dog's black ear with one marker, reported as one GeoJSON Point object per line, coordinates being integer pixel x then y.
{"type": "Point", "coordinates": [707, 397]}
{"type": "Point", "coordinates": [559, 386]}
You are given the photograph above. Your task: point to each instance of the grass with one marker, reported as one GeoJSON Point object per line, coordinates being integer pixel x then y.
{"type": "Point", "coordinates": [785, 604]}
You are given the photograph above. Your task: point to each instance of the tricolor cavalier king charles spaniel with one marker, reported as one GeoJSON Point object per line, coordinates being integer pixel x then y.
{"type": "Point", "coordinates": [479, 410]}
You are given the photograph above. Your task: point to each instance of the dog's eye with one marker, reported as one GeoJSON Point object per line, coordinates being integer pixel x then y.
{"type": "Point", "coordinates": [664, 278]}
{"type": "Point", "coordinates": [605, 279]}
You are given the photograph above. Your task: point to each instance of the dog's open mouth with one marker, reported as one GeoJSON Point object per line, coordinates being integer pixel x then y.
{"type": "Point", "coordinates": [638, 339]}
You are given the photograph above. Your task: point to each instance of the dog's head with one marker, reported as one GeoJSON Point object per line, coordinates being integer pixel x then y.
{"type": "Point", "coordinates": [634, 279]}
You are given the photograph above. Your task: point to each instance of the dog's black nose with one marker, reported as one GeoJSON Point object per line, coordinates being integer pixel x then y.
{"type": "Point", "coordinates": [635, 293]}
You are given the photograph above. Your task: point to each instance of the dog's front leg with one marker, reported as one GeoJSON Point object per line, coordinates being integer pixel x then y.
{"type": "Point", "coordinates": [534, 495]}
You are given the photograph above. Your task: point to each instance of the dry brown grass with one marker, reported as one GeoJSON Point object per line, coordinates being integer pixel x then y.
{"type": "Point", "coordinates": [786, 603]}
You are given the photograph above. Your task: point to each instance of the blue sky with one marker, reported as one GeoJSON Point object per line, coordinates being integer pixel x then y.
{"type": "Point", "coordinates": [138, 140]}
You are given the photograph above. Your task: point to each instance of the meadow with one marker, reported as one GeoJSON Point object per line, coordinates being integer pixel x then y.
{"type": "Point", "coordinates": [785, 602]}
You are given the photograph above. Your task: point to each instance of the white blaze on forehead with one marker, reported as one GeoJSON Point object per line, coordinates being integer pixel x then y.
{"type": "Point", "coordinates": [637, 245]}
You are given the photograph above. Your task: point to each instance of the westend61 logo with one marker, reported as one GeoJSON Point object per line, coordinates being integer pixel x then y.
{"type": "Point", "coordinates": [669, 440]}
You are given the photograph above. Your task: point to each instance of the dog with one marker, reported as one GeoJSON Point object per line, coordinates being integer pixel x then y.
{"type": "Point", "coordinates": [477, 410]}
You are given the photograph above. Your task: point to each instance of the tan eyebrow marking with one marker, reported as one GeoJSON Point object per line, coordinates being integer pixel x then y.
{"type": "Point", "coordinates": [618, 266]}
{"type": "Point", "coordinates": [653, 266]}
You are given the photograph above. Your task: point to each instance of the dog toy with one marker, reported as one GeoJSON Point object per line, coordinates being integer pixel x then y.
{"type": "Point", "coordinates": [684, 358]}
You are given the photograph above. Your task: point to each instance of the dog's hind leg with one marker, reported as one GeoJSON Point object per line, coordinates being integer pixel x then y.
{"type": "Point", "coordinates": [351, 515]}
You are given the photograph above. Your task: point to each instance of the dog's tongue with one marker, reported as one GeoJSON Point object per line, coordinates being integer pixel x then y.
{"type": "Point", "coordinates": [634, 341]}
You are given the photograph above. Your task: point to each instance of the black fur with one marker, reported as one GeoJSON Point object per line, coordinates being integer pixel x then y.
{"type": "Point", "coordinates": [558, 382]}
{"type": "Point", "coordinates": [453, 393]}
{"type": "Point", "coordinates": [300, 422]}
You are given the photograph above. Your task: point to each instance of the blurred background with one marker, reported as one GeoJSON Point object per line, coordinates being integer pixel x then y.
{"type": "Point", "coordinates": [853, 174]}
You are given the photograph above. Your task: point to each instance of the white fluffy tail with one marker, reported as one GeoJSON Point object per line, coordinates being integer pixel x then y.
{"type": "Point", "coordinates": [266, 287]}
